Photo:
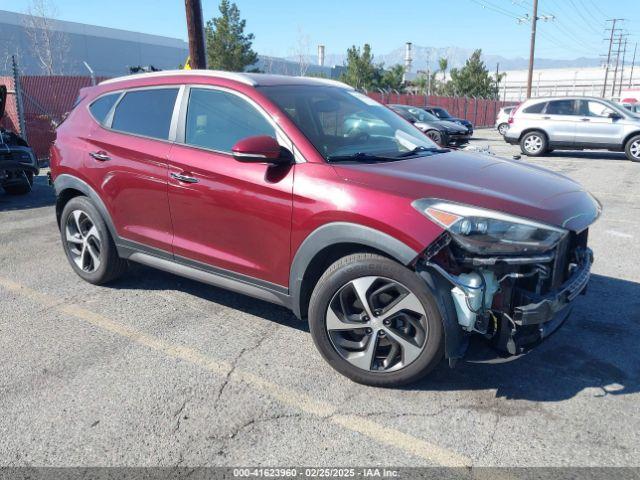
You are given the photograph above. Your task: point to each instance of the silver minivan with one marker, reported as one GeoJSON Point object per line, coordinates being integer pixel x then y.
{"type": "Point", "coordinates": [541, 125]}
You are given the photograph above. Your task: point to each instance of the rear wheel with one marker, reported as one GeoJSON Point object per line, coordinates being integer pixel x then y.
{"type": "Point", "coordinates": [375, 321]}
{"type": "Point", "coordinates": [435, 135]}
{"type": "Point", "coordinates": [88, 244]}
{"type": "Point", "coordinates": [534, 143]}
{"type": "Point", "coordinates": [632, 149]}
{"type": "Point", "coordinates": [502, 129]}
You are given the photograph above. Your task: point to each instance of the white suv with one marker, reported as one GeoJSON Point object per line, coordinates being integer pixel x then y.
{"type": "Point", "coordinates": [541, 125]}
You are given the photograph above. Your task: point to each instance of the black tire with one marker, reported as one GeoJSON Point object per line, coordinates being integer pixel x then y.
{"type": "Point", "coordinates": [22, 189]}
{"type": "Point", "coordinates": [111, 266]}
{"type": "Point", "coordinates": [434, 135]}
{"type": "Point", "coordinates": [362, 265]}
{"type": "Point", "coordinates": [502, 129]}
{"type": "Point", "coordinates": [632, 149]}
{"type": "Point", "coordinates": [534, 138]}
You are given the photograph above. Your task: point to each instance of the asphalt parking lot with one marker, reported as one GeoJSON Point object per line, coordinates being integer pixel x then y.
{"type": "Point", "coordinates": [159, 370]}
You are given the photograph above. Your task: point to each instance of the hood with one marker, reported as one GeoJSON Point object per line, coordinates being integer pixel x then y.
{"type": "Point", "coordinates": [3, 100]}
{"type": "Point", "coordinates": [484, 181]}
{"type": "Point", "coordinates": [452, 126]}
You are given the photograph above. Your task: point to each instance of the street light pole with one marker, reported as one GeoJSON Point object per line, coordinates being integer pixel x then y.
{"type": "Point", "coordinates": [532, 49]}
{"type": "Point", "coordinates": [195, 27]}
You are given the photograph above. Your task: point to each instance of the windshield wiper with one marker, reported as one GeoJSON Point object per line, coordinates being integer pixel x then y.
{"type": "Point", "coordinates": [360, 156]}
{"type": "Point", "coordinates": [422, 149]}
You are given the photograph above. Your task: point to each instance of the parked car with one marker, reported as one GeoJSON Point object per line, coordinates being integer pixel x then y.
{"type": "Point", "coordinates": [396, 251]}
{"type": "Point", "coordinates": [632, 107]}
{"type": "Point", "coordinates": [541, 125]}
{"type": "Point", "coordinates": [442, 132]}
{"type": "Point", "coordinates": [502, 119]}
{"type": "Point", "coordinates": [18, 163]}
{"type": "Point", "coordinates": [443, 114]}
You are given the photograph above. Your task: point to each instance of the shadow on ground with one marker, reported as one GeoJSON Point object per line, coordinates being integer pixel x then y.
{"type": "Point", "coordinates": [42, 195]}
{"type": "Point", "coordinates": [586, 155]}
{"type": "Point", "coordinates": [596, 348]}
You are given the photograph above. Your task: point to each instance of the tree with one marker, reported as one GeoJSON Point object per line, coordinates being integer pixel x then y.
{"type": "Point", "coordinates": [443, 63]}
{"type": "Point", "coordinates": [361, 73]}
{"type": "Point", "coordinates": [393, 78]}
{"type": "Point", "coordinates": [49, 46]}
{"type": "Point", "coordinates": [228, 47]}
{"type": "Point", "coordinates": [302, 52]}
{"type": "Point", "coordinates": [473, 79]}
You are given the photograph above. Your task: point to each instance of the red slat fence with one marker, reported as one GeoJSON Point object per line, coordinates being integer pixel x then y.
{"type": "Point", "coordinates": [47, 99]}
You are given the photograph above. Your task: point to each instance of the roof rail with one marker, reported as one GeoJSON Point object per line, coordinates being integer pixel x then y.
{"type": "Point", "coordinates": [238, 77]}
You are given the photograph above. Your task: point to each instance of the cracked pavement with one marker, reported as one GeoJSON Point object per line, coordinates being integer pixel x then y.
{"type": "Point", "coordinates": [160, 370]}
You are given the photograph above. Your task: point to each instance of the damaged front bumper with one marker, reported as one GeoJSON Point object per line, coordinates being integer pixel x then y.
{"type": "Point", "coordinates": [527, 298]}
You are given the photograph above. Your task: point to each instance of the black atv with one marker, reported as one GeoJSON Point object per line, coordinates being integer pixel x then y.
{"type": "Point", "coordinates": [18, 163]}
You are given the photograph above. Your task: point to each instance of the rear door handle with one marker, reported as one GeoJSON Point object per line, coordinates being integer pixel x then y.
{"type": "Point", "coordinates": [546, 118]}
{"type": "Point", "coordinates": [585, 119]}
{"type": "Point", "coordinates": [100, 155]}
{"type": "Point", "coordinates": [184, 178]}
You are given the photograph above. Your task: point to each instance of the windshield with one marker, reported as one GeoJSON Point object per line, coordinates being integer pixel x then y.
{"type": "Point", "coordinates": [415, 113]}
{"type": "Point", "coordinates": [344, 124]}
{"type": "Point", "coordinates": [441, 113]}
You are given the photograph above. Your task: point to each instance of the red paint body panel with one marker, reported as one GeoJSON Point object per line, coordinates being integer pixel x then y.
{"type": "Point", "coordinates": [238, 215]}
{"type": "Point", "coordinates": [251, 218]}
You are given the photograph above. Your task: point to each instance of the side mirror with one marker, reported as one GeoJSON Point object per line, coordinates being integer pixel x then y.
{"type": "Point", "coordinates": [260, 149]}
{"type": "Point", "coordinates": [615, 116]}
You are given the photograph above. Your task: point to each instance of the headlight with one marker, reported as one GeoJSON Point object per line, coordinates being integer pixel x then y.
{"type": "Point", "coordinates": [488, 232]}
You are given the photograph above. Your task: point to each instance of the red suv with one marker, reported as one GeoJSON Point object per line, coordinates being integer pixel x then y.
{"type": "Point", "coordinates": [308, 194]}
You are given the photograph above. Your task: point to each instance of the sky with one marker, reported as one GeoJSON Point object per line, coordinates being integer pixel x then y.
{"type": "Point", "coordinates": [279, 26]}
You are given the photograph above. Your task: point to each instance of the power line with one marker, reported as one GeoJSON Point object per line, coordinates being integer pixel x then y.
{"type": "Point", "coordinates": [496, 9]}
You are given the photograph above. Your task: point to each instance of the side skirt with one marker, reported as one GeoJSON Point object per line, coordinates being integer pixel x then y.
{"type": "Point", "coordinates": [200, 272]}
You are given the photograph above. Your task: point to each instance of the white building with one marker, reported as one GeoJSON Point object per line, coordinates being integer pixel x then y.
{"type": "Point", "coordinates": [569, 81]}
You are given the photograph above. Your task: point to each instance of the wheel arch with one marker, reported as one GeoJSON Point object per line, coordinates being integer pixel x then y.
{"type": "Point", "coordinates": [533, 129]}
{"type": "Point", "coordinates": [629, 137]}
{"type": "Point", "coordinates": [331, 242]}
{"type": "Point", "coordinates": [68, 186]}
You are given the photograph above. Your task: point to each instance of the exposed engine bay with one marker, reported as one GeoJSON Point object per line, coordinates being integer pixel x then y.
{"type": "Point", "coordinates": [514, 299]}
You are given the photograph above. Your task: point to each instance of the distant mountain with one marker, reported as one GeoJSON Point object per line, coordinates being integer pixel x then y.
{"type": "Point", "coordinates": [457, 56]}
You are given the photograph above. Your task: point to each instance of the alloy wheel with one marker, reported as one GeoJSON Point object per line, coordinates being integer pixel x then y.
{"type": "Point", "coordinates": [533, 143]}
{"type": "Point", "coordinates": [634, 149]}
{"type": "Point", "coordinates": [377, 324]}
{"type": "Point", "coordinates": [83, 241]}
{"type": "Point", "coordinates": [502, 129]}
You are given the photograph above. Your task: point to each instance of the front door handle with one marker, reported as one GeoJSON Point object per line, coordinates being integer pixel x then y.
{"type": "Point", "coordinates": [585, 119]}
{"type": "Point", "coordinates": [546, 118]}
{"type": "Point", "coordinates": [184, 178]}
{"type": "Point", "coordinates": [100, 155]}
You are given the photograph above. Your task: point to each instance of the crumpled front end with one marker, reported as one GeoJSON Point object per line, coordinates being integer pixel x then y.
{"type": "Point", "coordinates": [515, 293]}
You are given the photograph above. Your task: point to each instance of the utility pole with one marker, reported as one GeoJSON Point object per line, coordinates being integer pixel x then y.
{"type": "Point", "coordinates": [497, 81]}
{"type": "Point", "coordinates": [532, 48]}
{"type": "Point", "coordinates": [615, 71]}
{"type": "Point", "coordinates": [195, 27]}
{"type": "Point", "coordinates": [606, 68]}
{"type": "Point", "coordinates": [624, 59]}
{"type": "Point", "coordinates": [633, 63]}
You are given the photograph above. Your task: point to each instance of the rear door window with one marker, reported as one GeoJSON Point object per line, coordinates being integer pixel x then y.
{"type": "Point", "coordinates": [561, 107]}
{"type": "Point", "coordinates": [146, 112]}
{"type": "Point", "coordinates": [102, 106]}
{"type": "Point", "coordinates": [535, 108]}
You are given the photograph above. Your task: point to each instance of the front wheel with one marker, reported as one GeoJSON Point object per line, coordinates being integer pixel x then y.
{"type": "Point", "coordinates": [435, 135]}
{"type": "Point", "coordinates": [632, 149]}
{"type": "Point", "coordinates": [534, 144]}
{"type": "Point", "coordinates": [376, 321]}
